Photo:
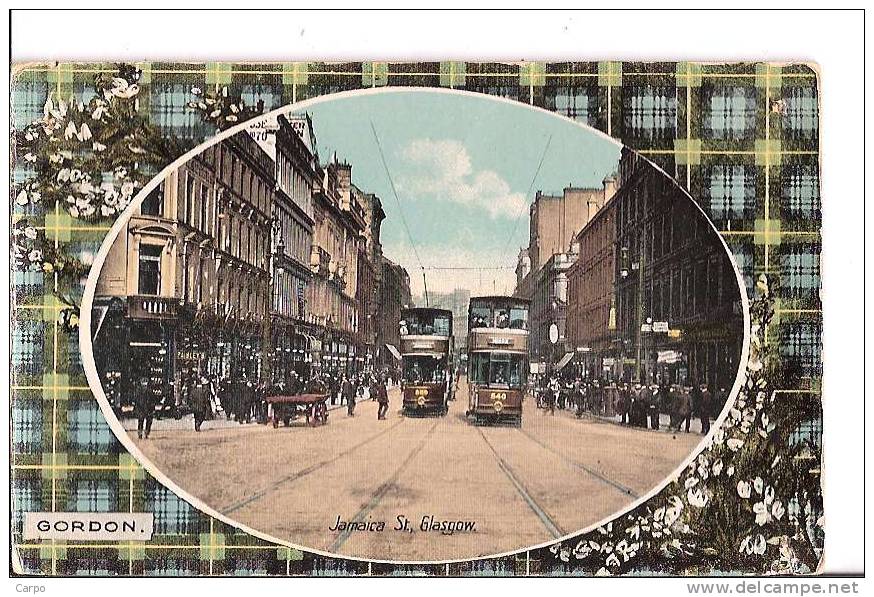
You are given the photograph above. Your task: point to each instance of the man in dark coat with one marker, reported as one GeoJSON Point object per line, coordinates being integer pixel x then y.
{"type": "Point", "coordinates": [658, 396]}
{"type": "Point", "coordinates": [382, 399]}
{"type": "Point", "coordinates": [703, 405]}
{"type": "Point", "coordinates": [347, 390]}
{"type": "Point", "coordinates": [623, 404]}
{"type": "Point", "coordinates": [144, 406]}
{"type": "Point", "coordinates": [683, 408]}
{"type": "Point", "coordinates": [641, 406]}
{"type": "Point", "coordinates": [199, 397]}
{"type": "Point", "coordinates": [247, 402]}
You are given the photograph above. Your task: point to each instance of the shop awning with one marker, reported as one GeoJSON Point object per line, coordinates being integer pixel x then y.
{"type": "Point", "coordinates": [394, 351]}
{"type": "Point", "coordinates": [564, 360]}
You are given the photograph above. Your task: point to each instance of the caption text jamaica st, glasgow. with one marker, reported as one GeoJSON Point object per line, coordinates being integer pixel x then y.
{"type": "Point", "coordinates": [427, 523]}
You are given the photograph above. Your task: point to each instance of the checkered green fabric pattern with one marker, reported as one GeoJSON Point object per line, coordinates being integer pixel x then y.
{"type": "Point", "coordinates": [742, 138]}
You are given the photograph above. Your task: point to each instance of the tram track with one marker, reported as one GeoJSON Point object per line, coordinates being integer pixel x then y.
{"type": "Point", "coordinates": [293, 477]}
{"type": "Point", "coordinates": [383, 489]}
{"type": "Point", "coordinates": [588, 470]}
{"type": "Point", "coordinates": [545, 518]}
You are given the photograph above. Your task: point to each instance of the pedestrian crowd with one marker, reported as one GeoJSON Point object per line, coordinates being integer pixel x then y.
{"type": "Point", "coordinates": [634, 404]}
{"type": "Point", "coordinates": [245, 399]}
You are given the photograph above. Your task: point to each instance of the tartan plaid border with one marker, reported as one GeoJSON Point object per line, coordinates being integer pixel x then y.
{"type": "Point", "coordinates": [743, 139]}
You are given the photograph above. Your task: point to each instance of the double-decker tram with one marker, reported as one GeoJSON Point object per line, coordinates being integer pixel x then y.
{"type": "Point", "coordinates": [497, 350]}
{"type": "Point", "coordinates": [426, 360]}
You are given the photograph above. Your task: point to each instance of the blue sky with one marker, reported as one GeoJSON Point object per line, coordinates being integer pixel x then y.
{"type": "Point", "coordinates": [462, 167]}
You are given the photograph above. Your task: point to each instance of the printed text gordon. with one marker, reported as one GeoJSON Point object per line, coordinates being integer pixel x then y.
{"type": "Point", "coordinates": [427, 523]}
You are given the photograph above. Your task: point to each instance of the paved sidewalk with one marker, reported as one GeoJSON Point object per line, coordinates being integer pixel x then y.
{"type": "Point", "coordinates": [664, 421]}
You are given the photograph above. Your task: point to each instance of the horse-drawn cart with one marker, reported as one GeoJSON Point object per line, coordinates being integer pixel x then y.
{"type": "Point", "coordinates": [287, 408]}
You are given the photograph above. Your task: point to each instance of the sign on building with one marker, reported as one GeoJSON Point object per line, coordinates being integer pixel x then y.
{"type": "Point", "coordinates": [660, 327]}
{"type": "Point", "coordinates": [264, 133]}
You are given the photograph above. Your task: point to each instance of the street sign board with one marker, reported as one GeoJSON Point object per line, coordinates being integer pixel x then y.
{"type": "Point", "coordinates": [553, 333]}
{"type": "Point", "coordinates": [646, 327]}
{"type": "Point", "coordinates": [660, 326]}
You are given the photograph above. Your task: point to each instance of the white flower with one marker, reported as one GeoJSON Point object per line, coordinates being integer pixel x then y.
{"type": "Point", "coordinates": [98, 146]}
{"type": "Point", "coordinates": [734, 444]}
{"type": "Point", "coordinates": [30, 232]}
{"type": "Point", "coordinates": [49, 109]}
{"type": "Point", "coordinates": [777, 510]}
{"type": "Point", "coordinates": [22, 198]}
{"type": "Point", "coordinates": [697, 498]}
{"type": "Point", "coordinates": [74, 212]}
{"type": "Point", "coordinates": [120, 88]}
{"type": "Point", "coordinates": [76, 175]}
{"type": "Point", "coordinates": [127, 189]}
{"type": "Point", "coordinates": [84, 133]}
{"type": "Point", "coordinates": [70, 131]}
{"type": "Point", "coordinates": [751, 545]}
{"type": "Point", "coordinates": [730, 471]}
{"type": "Point", "coordinates": [29, 157]}
{"type": "Point", "coordinates": [582, 550]}
{"type": "Point", "coordinates": [717, 468]}
{"type": "Point", "coordinates": [63, 175]}
{"type": "Point", "coordinates": [769, 494]}
{"type": "Point", "coordinates": [762, 513]}
{"type": "Point", "coordinates": [98, 112]}
{"type": "Point", "coordinates": [35, 255]}
{"type": "Point", "coordinates": [758, 485]}
{"type": "Point", "coordinates": [196, 90]}
{"type": "Point", "coordinates": [215, 113]}
{"type": "Point", "coordinates": [743, 489]}
{"type": "Point", "coordinates": [691, 482]}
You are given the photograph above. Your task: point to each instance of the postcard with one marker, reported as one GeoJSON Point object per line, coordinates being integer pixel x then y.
{"type": "Point", "coordinates": [450, 318]}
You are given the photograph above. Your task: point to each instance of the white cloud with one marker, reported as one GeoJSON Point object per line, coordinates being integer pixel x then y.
{"type": "Point", "coordinates": [443, 171]}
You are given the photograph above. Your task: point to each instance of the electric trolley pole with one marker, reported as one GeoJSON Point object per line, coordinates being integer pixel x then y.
{"type": "Point", "coordinates": [640, 273]}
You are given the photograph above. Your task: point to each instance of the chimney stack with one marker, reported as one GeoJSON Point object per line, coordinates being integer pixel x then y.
{"type": "Point", "coordinates": [609, 187]}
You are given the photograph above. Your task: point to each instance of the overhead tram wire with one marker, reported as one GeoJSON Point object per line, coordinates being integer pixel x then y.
{"type": "Point", "coordinates": [528, 193]}
{"type": "Point", "coordinates": [400, 209]}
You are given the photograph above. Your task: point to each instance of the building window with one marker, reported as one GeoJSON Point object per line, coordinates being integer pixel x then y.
{"type": "Point", "coordinates": [730, 113]}
{"type": "Point", "coordinates": [204, 209]}
{"type": "Point", "coordinates": [150, 269]}
{"type": "Point", "coordinates": [153, 204]}
{"type": "Point", "coordinates": [732, 191]}
{"type": "Point", "coordinates": [201, 280]}
{"type": "Point", "coordinates": [188, 216]}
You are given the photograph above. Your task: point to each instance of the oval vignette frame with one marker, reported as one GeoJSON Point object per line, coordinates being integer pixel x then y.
{"type": "Point", "coordinates": [86, 346]}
